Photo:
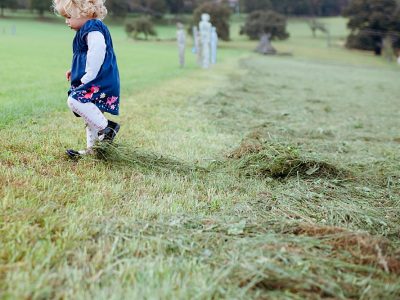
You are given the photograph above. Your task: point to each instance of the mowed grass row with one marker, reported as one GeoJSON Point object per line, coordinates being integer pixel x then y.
{"type": "Point", "coordinates": [262, 178]}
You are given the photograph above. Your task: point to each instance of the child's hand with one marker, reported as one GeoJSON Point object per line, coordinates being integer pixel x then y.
{"type": "Point", "coordinates": [68, 75]}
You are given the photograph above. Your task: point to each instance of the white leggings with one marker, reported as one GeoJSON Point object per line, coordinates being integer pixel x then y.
{"type": "Point", "coordinates": [94, 119]}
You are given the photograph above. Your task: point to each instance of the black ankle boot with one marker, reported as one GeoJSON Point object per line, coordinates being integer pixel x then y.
{"type": "Point", "coordinates": [73, 154]}
{"type": "Point", "coordinates": [110, 131]}
{"type": "Point", "coordinates": [77, 154]}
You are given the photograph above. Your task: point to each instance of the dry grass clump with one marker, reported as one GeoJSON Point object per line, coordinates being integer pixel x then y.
{"type": "Point", "coordinates": [254, 157]}
{"type": "Point", "coordinates": [257, 157]}
{"type": "Point", "coordinates": [364, 248]}
{"type": "Point", "coordinates": [145, 160]}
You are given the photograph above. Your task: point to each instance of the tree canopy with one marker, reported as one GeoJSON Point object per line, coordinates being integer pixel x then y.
{"type": "Point", "coordinates": [143, 25]}
{"type": "Point", "coordinates": [41, 6]}
{"type": "Point", "coordinates": [7, 4]}
{"type": "Point", "coordinates": [370, 21]}
{"type": "Point", "coordinates": [175, 6]}
{"type": "Point", "coordinates": [252, 5]}
{"type": "Point", "coordinates": [297, 7]}
{"type": "Point", "coordinates": [265, 22]}
{"type": "Point", "coordinates": [118, 8]}
{"type": "Point", "coordinates": [156, 8]}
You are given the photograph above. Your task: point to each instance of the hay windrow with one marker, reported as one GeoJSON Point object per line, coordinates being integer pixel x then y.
{"type": "Point", "coordinates": [145, 160]}
{"type": "Point", "coordinates": [263, 158]}
{"type": "Point", "coordinates": [253, 158]}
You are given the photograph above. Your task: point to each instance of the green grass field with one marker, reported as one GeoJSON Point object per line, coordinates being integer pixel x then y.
{"type": "Point", "coordinates": [261, 178]}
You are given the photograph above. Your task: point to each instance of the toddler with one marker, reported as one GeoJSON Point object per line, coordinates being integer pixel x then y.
{"type": "Point", "coordinates": [94, 76]}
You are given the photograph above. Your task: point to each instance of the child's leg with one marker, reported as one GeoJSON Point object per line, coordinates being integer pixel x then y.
{"type": "Point", "coordinates": [91, 136]}
{"type": "Point", "coordinates": [90, 113]}
{"type": "Point", "coordinates": [98, 128]}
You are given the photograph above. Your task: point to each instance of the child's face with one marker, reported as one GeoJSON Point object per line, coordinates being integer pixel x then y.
{"type": "Point", "coordinates": [75, 23]}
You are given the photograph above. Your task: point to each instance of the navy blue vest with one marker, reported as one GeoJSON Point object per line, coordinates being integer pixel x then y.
{"type": "Point", "coordinates": [104, 90]}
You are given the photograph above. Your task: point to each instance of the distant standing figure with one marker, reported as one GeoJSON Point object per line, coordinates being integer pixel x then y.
{"type": "Point", "coordinates": [181, 40]}
{"type": "Point", "coordinates": [205, 38]}
{"type": "Point", "coordinates": [197, 45]}
{"type": "Point", "coordinates": [94, 77]}
{"type": "Point", "coordinates": [195, 31]}
{"type": "Point", "coordinates": [214, 45]}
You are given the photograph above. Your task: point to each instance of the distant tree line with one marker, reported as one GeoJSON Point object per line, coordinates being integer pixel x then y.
{"type": "Point", "coordinates": [157, 8]}
{"type": "Point", "coordinates": [297, 7]}
{"type": "Point", "coordinates": [7, 4]}
{"type": "Point", "coordinates": [286, 7]}
{"type": "Point", "coordinates": [40, 6]}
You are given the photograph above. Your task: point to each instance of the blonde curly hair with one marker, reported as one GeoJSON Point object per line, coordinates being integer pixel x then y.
{"type": "Point", "coordinates": [80, 8]}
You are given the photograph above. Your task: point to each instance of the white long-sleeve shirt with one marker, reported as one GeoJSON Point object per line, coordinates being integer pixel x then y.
{"type": "Point", "coordinates": [95, 55]}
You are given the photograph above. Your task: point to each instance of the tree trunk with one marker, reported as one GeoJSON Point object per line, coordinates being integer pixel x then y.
{"type": "Point", "coordinates": [265, 47]}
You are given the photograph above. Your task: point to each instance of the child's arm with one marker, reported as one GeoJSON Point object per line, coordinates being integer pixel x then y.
{"type": "Point", "coordinates": [68, 75]}
{"type": "Point", "coordinates": [95, 55]}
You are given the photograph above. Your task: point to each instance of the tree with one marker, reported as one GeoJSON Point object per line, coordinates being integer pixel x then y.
{"type": "Point", "coordinates": [297, 7]}
{"type": "Point", "coordinates": [265, 22]}
{"type": "Point", "coordinates": [118, 8]}
{"type": "Point", "coordinates": [175, 6]}
{"type": "Point", "coordinates": [317, 26]}
{"type": "Point", "coordinates": [7, 4]}
{"type": "Point", "coordinates": [23, 4]}
{"type": "Point", "coordinates": [290, 7]}
{"type": "Point", "coordinates": [252, 5]}
{"type": "Point", "coordinates": [219, 14]}
{"type": "Point", "coordinates": [41, 6]}
{"type": "Point", "coordinates": [332, 7]}
{"type": "Point", "coordinates": [154, 8]}
{"type": "Point", "coordinates": [370, 21]}
{"type": "Point", "coordinates": [143, 25]}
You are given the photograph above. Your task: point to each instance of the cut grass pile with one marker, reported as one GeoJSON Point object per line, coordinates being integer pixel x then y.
{"type": "Point", "coordinates": [144, 160]}
{"type": "Point", "coordinates": [252, 158]}
{"type": "Point", "coordinates": [257, 157]}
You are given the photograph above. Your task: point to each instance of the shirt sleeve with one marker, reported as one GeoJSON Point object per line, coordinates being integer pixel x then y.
{"type": "Point", "coordinates": [95, 55]}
